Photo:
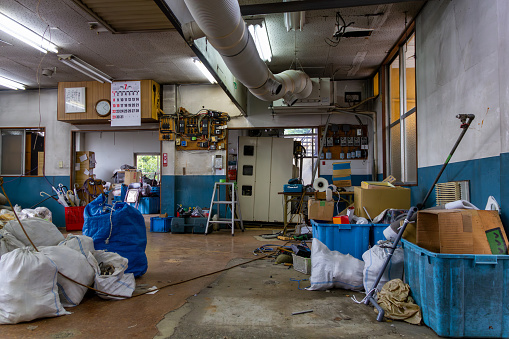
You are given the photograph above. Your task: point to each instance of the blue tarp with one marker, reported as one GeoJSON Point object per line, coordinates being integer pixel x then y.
{"type": "Point", "coordinates": [125, 234]}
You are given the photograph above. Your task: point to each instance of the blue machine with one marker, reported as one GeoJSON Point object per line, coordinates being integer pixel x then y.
{"type": "Point", "coordinates": [295, 188]}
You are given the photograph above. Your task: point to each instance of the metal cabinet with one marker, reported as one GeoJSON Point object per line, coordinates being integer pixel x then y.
{"type": "Point", "coordinates": [265, 165]}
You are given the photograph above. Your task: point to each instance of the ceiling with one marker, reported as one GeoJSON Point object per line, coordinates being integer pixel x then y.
{"type": "Point", "coordinates": [147, 46]}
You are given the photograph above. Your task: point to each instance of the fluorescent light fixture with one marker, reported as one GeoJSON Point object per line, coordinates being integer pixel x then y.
{"type": "Point", "coordinates": [26, 35]}
{"type": "Point", "coordinates": [204, 70]}
{"type": "Point", "coordinates": [10, 83]}
{"type": "Point", "coordinates": [260, 36]}
{"type": "Point", "coordinates": [85, 68]}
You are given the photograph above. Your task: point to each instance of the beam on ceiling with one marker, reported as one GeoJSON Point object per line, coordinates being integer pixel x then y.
{"type": "Point", "coordinates": [309, 5]}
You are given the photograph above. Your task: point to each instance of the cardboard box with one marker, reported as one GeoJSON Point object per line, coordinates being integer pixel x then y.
{"type": "Point", "coordinates": [85, 159]}
{"type": "Point", "coordinates": [461, 232]}
{"type": "Point", "coordinates": [377, 200]}
{"type": "Point", "coordinates": [40, 164]}
{"type": "Point", "coordinates": [320, 195]}
{"type": "Point", "coordinates": [129, 176]}
{"type": "Point", "coordinates": [376, 185]}
{"type": "Point", "coordinates": [320, 209]}
{"type": "Point", "coordinates": [342, 174]}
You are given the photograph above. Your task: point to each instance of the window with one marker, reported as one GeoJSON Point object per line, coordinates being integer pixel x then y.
{"type": "Point", "coordinates": [402, 115]}
{"type": "Point", "coordinates": [149, 164]}
{"type": "Point", "coordinates": [22, 151]}
{"type": "Point", "coordinates": [309, 140]}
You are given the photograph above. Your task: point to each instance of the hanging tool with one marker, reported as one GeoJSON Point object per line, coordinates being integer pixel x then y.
{"type": "Point", "coordinates": [466, 120]}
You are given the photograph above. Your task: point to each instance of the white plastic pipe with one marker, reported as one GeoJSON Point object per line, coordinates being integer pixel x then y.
{"type": "Point", "coordinates": [222, 24]}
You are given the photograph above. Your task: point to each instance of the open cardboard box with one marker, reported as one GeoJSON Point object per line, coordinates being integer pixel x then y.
{"type": "Point", "coordinates": [461, 232]}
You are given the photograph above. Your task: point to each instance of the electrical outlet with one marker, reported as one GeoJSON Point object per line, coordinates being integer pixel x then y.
{"type": "Point", "coordinates": [60, 164]}
{"type": "Point", "coordinates": [177, 142]}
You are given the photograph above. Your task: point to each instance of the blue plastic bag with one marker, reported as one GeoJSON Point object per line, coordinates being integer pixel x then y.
{"type": "Point", "coordinates": [125, 234]}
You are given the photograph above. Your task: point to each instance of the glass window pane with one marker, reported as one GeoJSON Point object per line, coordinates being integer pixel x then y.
{"type": "Point", "coordinates": [291, 131]}
{"type": "Point", "coordinates": [411, 148]}
{"type": "Point", "coordinates": [148, 164]}
{"type": "Point", "coordinates": [394, 90]}
{"type": "Point", "coordinates": [410, 73]}
{"type": "Point", "coordinates": [395, 152]}
{"type": "Point", "coordinates": [12, 152]}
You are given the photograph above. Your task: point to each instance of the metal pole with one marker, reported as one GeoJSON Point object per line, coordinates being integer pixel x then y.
{"type": "Point", "coordinates": [466, 120]}
{"type": "Point", "coordinates": [324, 137]}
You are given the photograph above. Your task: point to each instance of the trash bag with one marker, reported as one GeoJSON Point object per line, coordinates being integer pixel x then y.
{"type": "Point", "coordinates": [28, 287]}
{"type": "Point", "coordinates": [119, 228]}
{"type": "Point", "coordinates": [395, 300]}
{"type": "Point", "coordinates": [80, 243]}
{"type": "Point", "coordinates": [374, 259]}
{"type": "Point", "coordinates": [8, 242]}
{"type": "Point", "coordinates": [75, 266]}
{"type": "Point", "coordinates": [331, 269]}
{"type": "Point", "coordinates": [110, 276]}
{"type": "Point", "coordinates": [42, 232]}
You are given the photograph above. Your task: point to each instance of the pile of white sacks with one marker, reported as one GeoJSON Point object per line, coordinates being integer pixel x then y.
{"type": "Point", "coordinates": [30, 285]}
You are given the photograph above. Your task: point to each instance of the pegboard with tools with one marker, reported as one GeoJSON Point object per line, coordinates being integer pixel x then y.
{"type": "Point", "coordinates": [205, 130]}
{"type": "Point", "coordinates": [345, 141]}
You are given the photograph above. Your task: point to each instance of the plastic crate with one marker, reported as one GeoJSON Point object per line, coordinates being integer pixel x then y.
{"type": "Point", "coordinates": [188, 225]}
{"type": "Point", "coordinates": [350, 239]}
{"type": "Point", "coordinates": [460, 295]}
{"type": "Point", "coordinates": [377, 233]}
{"type": "Point", "coordinates": [74, 218]}
{"type": "Point", "coordinates": [160, 225]}
{"type": "Point", "coordinates": [149, 205]}
{"type": "Point", "coordinates": [301, 264]}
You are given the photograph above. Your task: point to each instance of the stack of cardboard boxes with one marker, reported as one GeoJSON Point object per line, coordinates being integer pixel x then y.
{"type": "Point", "coordinates": [85, 164]}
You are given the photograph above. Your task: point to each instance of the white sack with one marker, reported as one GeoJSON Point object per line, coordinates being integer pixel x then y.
{"type": "Point", "coordinates": [38, 212]}
{"type": "Point", "coordinates": [8, 242]}
{"type": "Point", "coordinates": [374, 259]}
{"type": "Point", "coordinates": [118, 283]}
{"type": "Point", "coordinates": [42, 232]}
{"type": "Point", "coordinates": [75, 266]}
{"type": "Point", "coordinates": [28, 287]}
{"type": "Point", "coordinates": [331, 269]}
{"type": "Point", "coordinates": [80, 243]}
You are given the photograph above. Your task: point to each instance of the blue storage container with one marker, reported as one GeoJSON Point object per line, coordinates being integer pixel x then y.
{"type": "Point", "coordinates": [377, 233]}
{"type": "Point", "coordinates": [148, 205]}
{"type": "Point", "coordinates": [460, 295]}
{"type": "Point", "coordinates": [350, 239]}
{"type": "Point", "coordinates": [161, 225]}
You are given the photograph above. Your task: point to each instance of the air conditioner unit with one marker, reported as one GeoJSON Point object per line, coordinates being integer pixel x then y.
{"type": "Point", "coordinates": [321, 95]}
{"type": "Point", "coordinates": [451, 191]}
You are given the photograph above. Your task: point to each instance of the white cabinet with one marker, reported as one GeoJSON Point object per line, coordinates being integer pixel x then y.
{"type": "Point", "coordinates": [265, 165]}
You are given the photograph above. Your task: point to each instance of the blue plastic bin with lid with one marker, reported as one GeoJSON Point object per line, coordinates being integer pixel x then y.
{"type": "Point", "coordinates": [460, 295]}
{"type": "Point", "coordinates": [350, 239]}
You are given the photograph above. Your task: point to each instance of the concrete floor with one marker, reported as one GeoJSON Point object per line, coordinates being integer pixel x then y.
{"type": "Point", "coordinates": [250, 301]}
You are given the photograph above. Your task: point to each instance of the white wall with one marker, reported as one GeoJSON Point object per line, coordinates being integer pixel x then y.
{"type": "Point", "coordinates": [32, 109]}
{"type": "Point", "coordinates": [114, 149]}
{"type": "Point", "coordinates": [460, 48]}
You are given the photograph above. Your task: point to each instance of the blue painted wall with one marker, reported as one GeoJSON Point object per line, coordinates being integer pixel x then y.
{"type": "Point", "coordinates": [188, 190]}
{"type": "Point", "coordinates": [487, 177]}
{"type": "Point", "coordinates": [24, 191]}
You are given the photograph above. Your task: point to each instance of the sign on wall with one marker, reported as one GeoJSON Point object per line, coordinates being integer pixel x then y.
{"type": "Point", "coordinates": [75, 101]}
{"type": "Point", "coordinates": [126, 103]}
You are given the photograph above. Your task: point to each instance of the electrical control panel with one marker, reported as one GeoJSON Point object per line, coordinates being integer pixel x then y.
{"type": "Point", "coordinates": [205, 130]}
{"type": "Point", "coordinates": [345, 141]}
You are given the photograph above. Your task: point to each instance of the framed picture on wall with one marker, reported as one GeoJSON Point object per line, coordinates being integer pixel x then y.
{"type": "Point", "coordinates": [75, 101]}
